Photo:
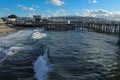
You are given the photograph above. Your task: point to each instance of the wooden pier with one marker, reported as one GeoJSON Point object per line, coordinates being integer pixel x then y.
{"type": "Point", "coordinates": [98, 27]}
{"type": "Point", "coordinates": [50, 26]}
{"type": "Point", "coordinates": [105, 27]}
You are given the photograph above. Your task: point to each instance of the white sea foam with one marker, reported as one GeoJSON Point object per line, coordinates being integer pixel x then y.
{"type": "Point", "coordinates": [11, 43]}
{"type": "Point", "coordinates": [15, 49]}
{"type": "Point", "coordinates": [41, 67]}
{"type": "Point", "coordinates": [37, 34]}
{"type": "Point", "coordinates": [15, 38]}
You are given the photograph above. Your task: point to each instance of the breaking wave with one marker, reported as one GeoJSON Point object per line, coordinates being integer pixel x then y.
{"type": "Point", "coordinates": [41, 67]}
{"type": "Point", "coordinates": [37, 34]}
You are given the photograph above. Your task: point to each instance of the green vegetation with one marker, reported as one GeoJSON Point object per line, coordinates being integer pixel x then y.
{"type": "Point", "coordinates": [12, 16]}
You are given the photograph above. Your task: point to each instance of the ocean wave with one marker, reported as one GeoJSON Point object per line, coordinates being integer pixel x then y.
{"type": "Point", "coordinates": [26, 40]}
{"type": "Point", "coordinates": [37, 34]}
{"type": "Point", "coordinates": [41, 67]}
{"type": "Point", "coordinates": [15, 49]}
{"type": "Point", "coordinates": [11, 43]}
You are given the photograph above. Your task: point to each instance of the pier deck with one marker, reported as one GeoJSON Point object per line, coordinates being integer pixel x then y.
{"type": "Point", "coordinates": [99, 27]}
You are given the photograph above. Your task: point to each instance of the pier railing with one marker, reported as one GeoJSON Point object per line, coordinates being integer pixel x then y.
{"type": "Point", "coordinates": [98, 26]}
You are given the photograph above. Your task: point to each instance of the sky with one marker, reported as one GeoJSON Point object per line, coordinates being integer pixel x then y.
{"type": "Point", "coordinates": [108, 9]}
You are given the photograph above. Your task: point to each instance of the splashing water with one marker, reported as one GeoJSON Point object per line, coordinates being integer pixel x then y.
{"type": "Point", "coordinates": [41, 67]}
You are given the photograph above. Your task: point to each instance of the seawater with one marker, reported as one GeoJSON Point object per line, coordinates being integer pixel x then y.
{"type": "Point", "coordinates": [32, 54]}
{"type": "Point", "coordinates": [21, 55]}
{"type": "Point", "coordinates": [83, 55]}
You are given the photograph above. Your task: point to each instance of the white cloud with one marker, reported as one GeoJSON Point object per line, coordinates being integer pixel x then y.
{"type": "Point", "coordinates": [101, 13]}
{"type": "Point", "coordinates": [55, 2]}
{"type": "Point", "coordinates": [31, 15]}
{"type": "Point", "coordinates": [95, 12]}
{"type": "Point", "coordinates": [4, 15]}
{"type": "Point", "coordinates": [93, 1]}
{"type": "Point", "coordinates": [6, 9]}
{"type": "Point", "coordinates": [49, 11]}
{"type": "Point", "coordinates": [98, 13]}
{"type": "Point", "coordinates": [59, 12]}
{"type": "Point", "coordinates": [36, 6]}
{"type": "Point", "coordinates": [26, 8]}
{"type": "Point", "coordinates": [78, 14]}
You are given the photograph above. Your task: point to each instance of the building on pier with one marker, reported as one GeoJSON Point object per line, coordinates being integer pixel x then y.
{"type": "Point", "coordinates": [39, 19]}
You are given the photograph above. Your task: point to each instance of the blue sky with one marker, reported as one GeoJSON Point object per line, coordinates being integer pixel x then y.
{"type": "Point", "coordinates": [92, 8]}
